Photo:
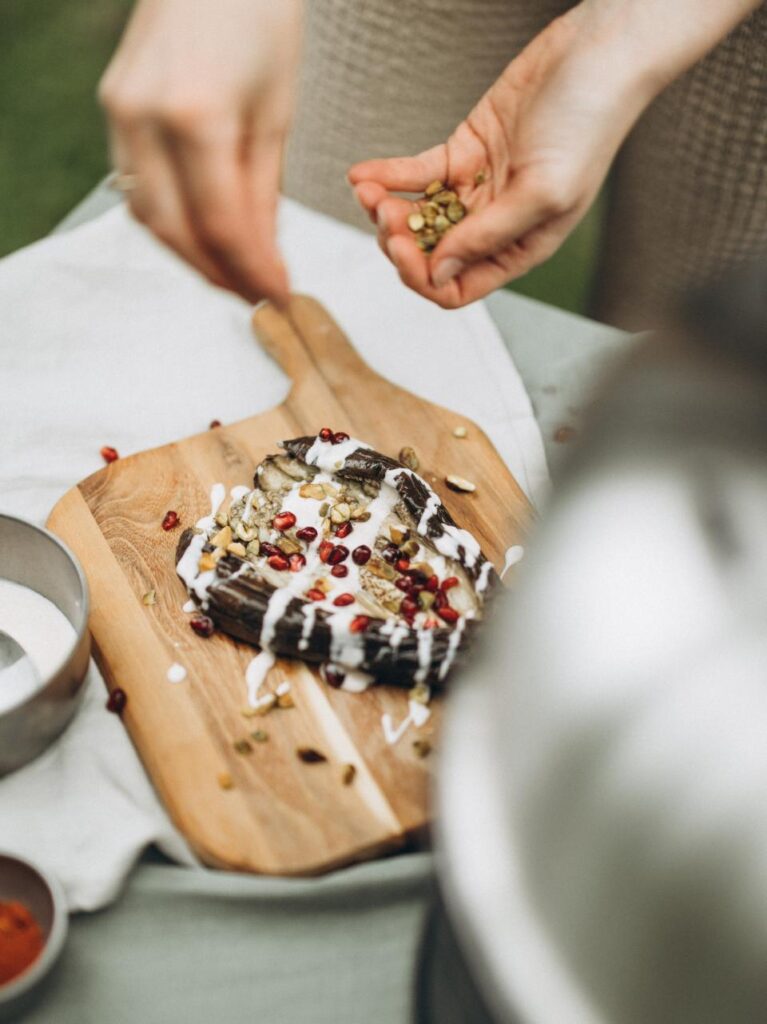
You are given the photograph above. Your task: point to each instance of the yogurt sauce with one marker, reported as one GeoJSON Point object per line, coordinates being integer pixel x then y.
{"type": "Point", "coordinates": [45, 633]}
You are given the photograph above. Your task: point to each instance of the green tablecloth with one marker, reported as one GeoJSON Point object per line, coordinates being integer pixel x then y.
{"type": "Point", "coordinates": [204, 947]}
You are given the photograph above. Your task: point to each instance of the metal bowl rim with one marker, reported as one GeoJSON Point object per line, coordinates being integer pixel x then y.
{"type": "Point", "coordinates": [54, 941]}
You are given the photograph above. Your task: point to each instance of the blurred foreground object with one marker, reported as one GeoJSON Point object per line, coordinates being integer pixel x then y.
{"type": "Point", "coordinates": [604, 778]}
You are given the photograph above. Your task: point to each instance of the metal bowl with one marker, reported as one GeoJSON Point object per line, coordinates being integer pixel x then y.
{"type": "Point", "coordinates": [43, 895]}
{"type": "Point", "coordinates": [35, 558]}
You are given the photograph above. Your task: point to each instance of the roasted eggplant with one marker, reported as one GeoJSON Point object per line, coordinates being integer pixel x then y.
{"type": "Point", "coordinates": [342, 557]}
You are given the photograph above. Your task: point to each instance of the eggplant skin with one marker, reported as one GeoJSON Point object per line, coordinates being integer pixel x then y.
{"type": "Point", "coordinates": [238, 597]}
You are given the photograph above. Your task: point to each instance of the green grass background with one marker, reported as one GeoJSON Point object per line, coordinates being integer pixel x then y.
{"type": "Point", "coordinates": [52, 140]}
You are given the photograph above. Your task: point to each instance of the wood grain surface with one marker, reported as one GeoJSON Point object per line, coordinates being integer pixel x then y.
{"type": "Point", "coordinates": [281, 816]}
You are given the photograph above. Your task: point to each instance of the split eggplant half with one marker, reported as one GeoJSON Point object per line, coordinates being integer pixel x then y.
{"type": "Point", "coordinates": [342, 557]}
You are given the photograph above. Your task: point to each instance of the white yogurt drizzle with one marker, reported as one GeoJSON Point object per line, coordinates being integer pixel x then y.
{"type": "Point", "coordinates": [332, 457]}
{"type": "Point", "coordinates": [482, 579]}
{"type": "Point", "coordinates": [425, 641]}
{"type": "Point", "coordinates": [453, 538]}
{"type": "Point", "coordinates": [356, 682]}
{"type": "Point", "coordinates": [418, 714]}
{"type": "Point", "coordinates": [514, 554]}
{"type": "Point", "coordinates": [255, 674]}
{"type": "Point", "coordinates": [452, 647]}
{"type": "Point", "coordinates": [176, 673]}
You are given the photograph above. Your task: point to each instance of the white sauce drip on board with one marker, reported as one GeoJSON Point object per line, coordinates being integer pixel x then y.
{"type": "Point", "coordinates": [255, 674]}
{"type": "Point", "coordinates": [418, 714]}
{"type": "Point", "coordinates": [189, 606]}
{"type": "Point", "coordinates": [176, 673]}
{"type": "Point", "coordinates": [514, 554]}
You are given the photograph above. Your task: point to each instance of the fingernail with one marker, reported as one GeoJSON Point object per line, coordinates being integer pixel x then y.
{"type": "Point", "coordinates": [381, 219]}
{"type": "Point", "coordinates": [446, 271]}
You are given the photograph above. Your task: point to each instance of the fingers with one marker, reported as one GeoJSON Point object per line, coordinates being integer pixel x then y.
{"type": "Point", "coordinates": [403, 173]}
{"type": "Point", "coordinates": [231, 195]}
{"type": "Point", "coordinates": [489, 231]}
{"type": "Point", "coordinates": [207, 195]}
{"type": "Point", "coordinates": [156, 202]}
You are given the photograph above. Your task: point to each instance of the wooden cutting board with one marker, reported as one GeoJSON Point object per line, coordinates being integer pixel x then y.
{"type": "Point", "coordinates": [281, 816]}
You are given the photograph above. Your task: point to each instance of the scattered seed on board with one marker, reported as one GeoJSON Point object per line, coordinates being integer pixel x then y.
{"type": "Point", "coordinates": [225, 780]}
{"type": "Point", "coordinates": [460, 432]}
{"type": "Point", "coordinates": [149, 598]}
{"type": "Point", "coordinates": [310, 756]}
{"type": "Point", "coordinates": [422, 747]}
{"type": "Point", "coordinates": [438, 210]}
{"type": "Point", "coordinates": [347, 774]}
{"type": "Point", "coordinates": [458, 483]}
{"type": "Point", "coordinates": [260, 735]}
{"type": "Point", "coordinates": [408, 457]}
{"type": "Point", "coordinates": [242, 747]}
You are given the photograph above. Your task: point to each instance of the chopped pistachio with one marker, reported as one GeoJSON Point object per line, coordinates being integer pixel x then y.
{"type": "Point", "coordinates": [235, 548]}
{"type": "Point", "coordinates": [422, 747]}
{"type": "Point", "coordinates": [223, 538]}
{"type": "Point", "coordinates": [150, 598]}
{"type": "Point", "coordinates": [347, 774]}
{"type": "Point", "coordinates": [260, 735]}
{"type": "Point", "coordinates": [242, 747]}
{"type": "Point", "coordinates": [408, 457]}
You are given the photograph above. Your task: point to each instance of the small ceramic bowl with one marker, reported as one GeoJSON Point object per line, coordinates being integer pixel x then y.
{"type": "Point", "coordinates": [42, 894]}
{"type": "Point", "coordinates": [35, 558]}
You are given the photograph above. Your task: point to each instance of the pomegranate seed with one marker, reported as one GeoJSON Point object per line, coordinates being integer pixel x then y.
{"type": "Point", "coordinates": [332, 675]}
{"type": "Point", "coordinates": [448, 614]}
{"type": "Point", "coordinates": [325, 548]}
{"type": "Point", "coordinates": [339, 571]}
{"type": "Point", "coordinates": [269, 549]}
{"type": "Point", "coordinates": [343, 599]}
{"type": "Point", "coordinates": [278, 562]}
{"type": "Point", "coordinates": [170, 520]}
{"type": "Point", "coordinates": [315, 594]}
{"type": "Point", "coordinates": [408, 606]}
{"type": "Point", "coordinates": [390, 553]}
{"type": "Point", "coordinates": [449, 583]}
{"type": "Point", "coordinates": [440, 600]}
{"type": "Point", "coordinates": [117, 700]}
{"type": "Point", "coordinates": [326, 434]}
{"type": "Point", "coordinates": [213, 424]}
{"type": "Point", "coordinates": [359, 624]}
{"type": "Point", "coordinates": [283, 521]}
{"type": "Point", "coordinates": [296, 562]}
{"type": "Point", "coordinates": [404, 584]}
{"type": "Point", "coordinates": [202, 625]}
{"type": "Point", "coordinates": [338, 554]}
{"type": "Point", "coordinates": [109, 454]}
{"type": "Point", "coordinates": [307, 533]}
{"type": "Point", "coordinates": [361, 554]}
{"type": "Point", "coordinates": [402, 564]}
{"type": "Point", "coordinates": [339, 437]}
{"type": "Point", "coordinates": [432, 584]}
{"type": "Point", "coordinates": [344, 529]}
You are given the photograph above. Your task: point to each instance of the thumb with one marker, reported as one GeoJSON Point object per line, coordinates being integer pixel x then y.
{"type": "Point", "coordinates": [487, 232]}
{"type": "Point", "coordinates": [402, 173]}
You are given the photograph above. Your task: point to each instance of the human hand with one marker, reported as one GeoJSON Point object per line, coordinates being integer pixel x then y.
{"type": "Point", "coordinates": [199, 98]}
{"type": "Point", "coordinates": [527, 163]}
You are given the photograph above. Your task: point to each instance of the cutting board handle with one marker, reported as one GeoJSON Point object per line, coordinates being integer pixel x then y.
{"type": "Point", "coordinates": [307, 342]}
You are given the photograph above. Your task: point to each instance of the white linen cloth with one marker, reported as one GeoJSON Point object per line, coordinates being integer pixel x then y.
{"type": "Point", "coordinates": [108, 338]}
